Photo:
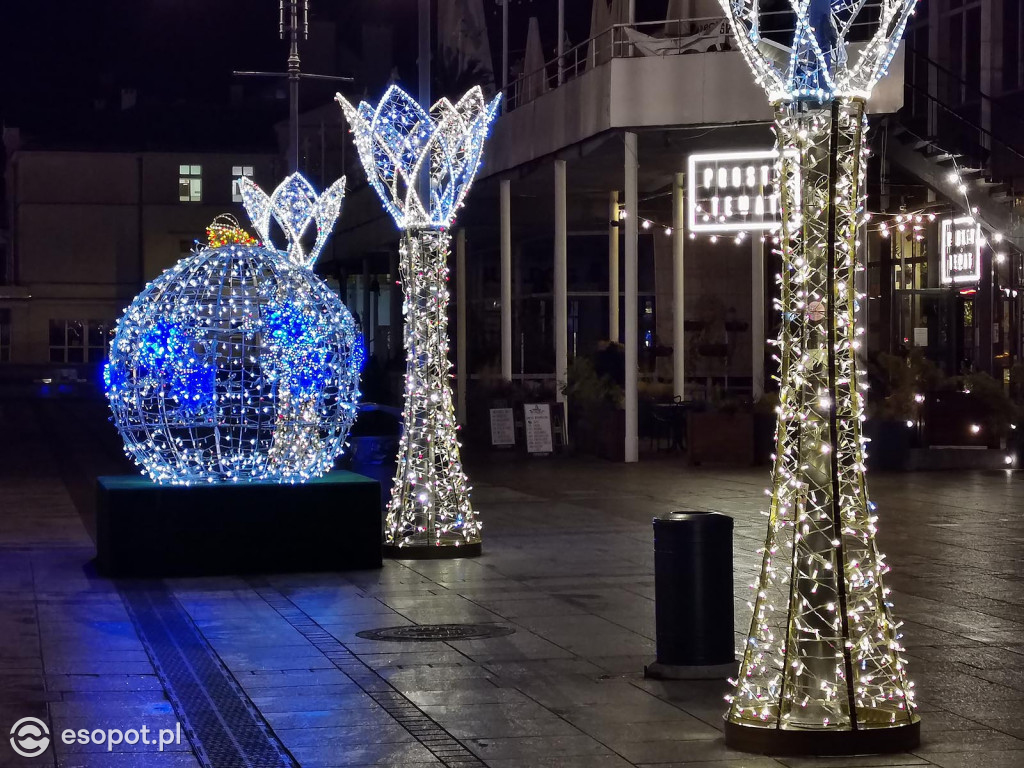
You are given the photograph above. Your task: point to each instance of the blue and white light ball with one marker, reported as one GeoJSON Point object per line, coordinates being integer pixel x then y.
{"type": "Point", "coordinates": [237, 364]}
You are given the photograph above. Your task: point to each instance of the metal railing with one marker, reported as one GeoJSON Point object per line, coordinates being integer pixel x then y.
{"type": "Point", "coordinates": [668, 37]}
{"type": "Point", "coordinates": [653, 38]}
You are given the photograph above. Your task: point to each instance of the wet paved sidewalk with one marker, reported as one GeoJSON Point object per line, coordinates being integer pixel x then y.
{"type": "Point", "coordinates": [270, 670]}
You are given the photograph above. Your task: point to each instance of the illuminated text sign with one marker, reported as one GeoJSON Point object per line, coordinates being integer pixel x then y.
{"type": "Point", "coordinates": [734, 191]}
{"type": "Point", "coordinates": [960, 250]}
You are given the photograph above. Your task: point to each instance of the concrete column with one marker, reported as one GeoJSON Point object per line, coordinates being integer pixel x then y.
{"type": "Point", "coordinates": [630, 304]}
{"type": "Point", "coordinates": [461, 359]}
{"type": "Point", "coordinates": [505, 188]}
{"type": "Point", "coordinates": [613, 266]}
{"type": "Point", "coordinates": [757, 316]}
{"type": "Point", "coordinates": [678, 289]}
{"type": "Point", "coordinates": [560, 320]}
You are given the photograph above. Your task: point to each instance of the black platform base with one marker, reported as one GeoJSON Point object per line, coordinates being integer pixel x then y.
{"type": "Point", "coordinates": [145, 530]}
{"type": "Point", "coordinates": [865, 741]}
{"type": "Point", "coordinates": [660, 671]}
{"type": "Point", "coordinates": [432, 553]}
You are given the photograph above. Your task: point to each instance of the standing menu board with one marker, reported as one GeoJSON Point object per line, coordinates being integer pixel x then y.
{"type": "Point", "coordinates": [538, 428]}
{"type": "Point", "coordinates": [503, 430]}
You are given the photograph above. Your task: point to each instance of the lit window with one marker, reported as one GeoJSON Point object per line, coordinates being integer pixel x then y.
{"type": "Point", "coordinates": [237, 172]}
{"type": "Point", "coordinates": [5, 335]}
{"type": "Point", "coordinates": [79, 341]}
{"type": "Point", "coordinates": [190, 183]}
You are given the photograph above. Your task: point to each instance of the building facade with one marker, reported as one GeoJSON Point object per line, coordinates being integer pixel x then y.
{"type": "Point", "coordinates": [88, 229]}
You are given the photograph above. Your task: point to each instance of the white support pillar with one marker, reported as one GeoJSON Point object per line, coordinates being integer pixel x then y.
{"type": "Point", "coordinates": [461, 360]}
{"type": "Point", "coordinates": [678, 289]}
{"type": "Point", "coordinates": [560, 321]}
{"type": "Point", "coordinates": [757, 316]}
{"type": "Point", "coordinates": [613, 266]}
{"type": "Point", "coordinates": [505, 187]}
{"type": "Point", "coordinates": [630, 304]}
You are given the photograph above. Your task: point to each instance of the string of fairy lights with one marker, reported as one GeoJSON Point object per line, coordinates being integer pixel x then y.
{"type": "Point", "coordinates": [406, 151]}
{"type": "Point", "coordinates": [883, 223]}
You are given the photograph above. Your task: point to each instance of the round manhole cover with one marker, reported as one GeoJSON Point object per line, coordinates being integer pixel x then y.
{"type": "Point", "coordinates": [435, 632]}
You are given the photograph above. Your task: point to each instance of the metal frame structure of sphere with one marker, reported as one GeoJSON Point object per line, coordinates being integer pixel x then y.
{"type": "Point", "coordinates": [239, 363]}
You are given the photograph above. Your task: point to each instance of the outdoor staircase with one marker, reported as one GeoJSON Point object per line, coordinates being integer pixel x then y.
{"type": "Point", "coordinates": [933, 140]}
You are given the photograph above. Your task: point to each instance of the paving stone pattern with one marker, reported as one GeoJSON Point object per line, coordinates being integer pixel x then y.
{"type": "Point", "coordinates": [568, 563]}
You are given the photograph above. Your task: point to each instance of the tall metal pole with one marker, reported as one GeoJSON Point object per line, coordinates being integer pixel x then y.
{"type": "Point", "coordinates": [293, 28]}
{"type": "Point", "coordinates": [630, 304]}
{"type": "Point", "coordinates": [294, 69]}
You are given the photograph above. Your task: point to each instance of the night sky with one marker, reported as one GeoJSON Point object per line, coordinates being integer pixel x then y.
{"type": "Point", "coordinates": [65, 61]}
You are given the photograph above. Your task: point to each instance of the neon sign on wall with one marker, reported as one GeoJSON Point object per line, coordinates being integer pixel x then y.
{"type": "Point", "coordinates": [734, 192]}
{"type": "Point", "coordinates": [960, 250]}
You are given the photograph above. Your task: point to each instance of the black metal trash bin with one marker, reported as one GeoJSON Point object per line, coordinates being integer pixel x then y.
{"type": "Point", "coordinates": [693, 596]}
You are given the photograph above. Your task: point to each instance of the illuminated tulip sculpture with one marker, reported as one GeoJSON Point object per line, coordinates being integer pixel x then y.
{"type": "Point", "coordinates": [822, 670]}
{"type": "Point", "coordinates": [403, 150]}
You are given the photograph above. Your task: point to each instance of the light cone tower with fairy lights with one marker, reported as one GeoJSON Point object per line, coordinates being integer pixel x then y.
{"type": "Point", "coordinates": [405, 151]}
{"type": "Point", "coordinates": [822, 670]}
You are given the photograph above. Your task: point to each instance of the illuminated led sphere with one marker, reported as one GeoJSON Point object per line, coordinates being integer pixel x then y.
{"type": "Point", "coordinates": [237, 364]}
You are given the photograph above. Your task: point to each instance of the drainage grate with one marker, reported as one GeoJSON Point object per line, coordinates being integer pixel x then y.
{"type": "Point", "coordinates": [221, 723]}
{"type": "Point", "coordinates": [446, 748]}
{"type": "Point", "coordinates": [443, 632]}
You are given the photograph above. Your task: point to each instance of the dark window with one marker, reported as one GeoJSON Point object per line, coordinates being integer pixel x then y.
{"type": "Point", "coordinates": [79, 341]}
{"type": "Point", "coordinates": [5, 335]}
